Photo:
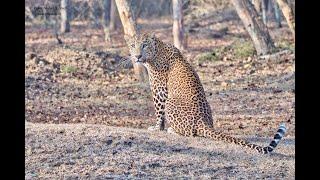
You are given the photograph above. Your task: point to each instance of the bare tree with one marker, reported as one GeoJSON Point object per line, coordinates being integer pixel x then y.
{"type": "Point", "coordinates": [106, 20]}
{"type": "Point", "coordinates": [287, 13]}
{"type": "Point", "coordinates": [257, 5]}
{"type": "Point", "coordinates": [277, 14]}
{"type": "Point", "coordinates": [65, 16]}
{"type": "Point", "coordinates": [130, 29]}
{"type": "Point", "coordinates": [178, 27]}
{"type": "Point", "coordinates": [113, 16]}
{"type": "Point", "coordinates": [93, 12]}
{"type": "Point", "coordinates": [264, 8]}
{"type": "Point", "coordinates": [254, 26]}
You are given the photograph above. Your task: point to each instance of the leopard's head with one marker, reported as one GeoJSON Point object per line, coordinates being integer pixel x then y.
{"type": "Point", "coordinates": [143, 49]}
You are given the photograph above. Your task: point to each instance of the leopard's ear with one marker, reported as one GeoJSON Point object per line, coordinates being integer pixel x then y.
{"type": "Point", "coordinates": [153, 35]}
{"type": "Point", "coordinates": [144, 35]}
{"type": "Point", "coordinates": [148, 35]}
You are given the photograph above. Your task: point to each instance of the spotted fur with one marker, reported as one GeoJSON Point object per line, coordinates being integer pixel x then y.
{"type": "Point", "coordinates": [178, 94]}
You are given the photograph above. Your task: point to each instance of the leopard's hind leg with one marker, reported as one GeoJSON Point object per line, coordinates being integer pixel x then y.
{"type": "Point", "coordinates": [170, 130]}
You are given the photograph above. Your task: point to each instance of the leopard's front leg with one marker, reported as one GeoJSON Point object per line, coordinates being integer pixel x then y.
{"type": "Point", "coordinates": [160, 96]}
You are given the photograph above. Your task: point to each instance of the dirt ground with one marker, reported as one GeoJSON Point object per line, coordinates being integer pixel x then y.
{"type": "Point", "coordinates": [83, 151]}
{"type": "Point", "coordinates": [87, 117]}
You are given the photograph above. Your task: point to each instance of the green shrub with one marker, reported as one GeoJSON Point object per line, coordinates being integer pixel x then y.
{"type": "Point", "coordinates": [215, 55]}
{"type": "Point", "coordinates": [243, 49]}
{"type": "Point", "coordinates": [239, 49]}
{"type": "Point", "coordinates": [284, 44]}
{"type": "Point", "coordinates": [208, 56]}
{"type": "Point", "coordinates": [68, 69]}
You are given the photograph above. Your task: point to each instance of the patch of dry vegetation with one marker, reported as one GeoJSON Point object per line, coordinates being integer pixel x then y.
{"type": "Point", "coordinates": [74, 151]}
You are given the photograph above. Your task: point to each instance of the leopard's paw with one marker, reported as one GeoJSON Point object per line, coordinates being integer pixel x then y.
{"type": "Point", "coordinates": [171, 131]}
{"type": "Point", "coordinates": [155, 128]}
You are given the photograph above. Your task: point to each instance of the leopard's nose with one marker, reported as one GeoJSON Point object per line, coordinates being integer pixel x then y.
{"type": "Point", "coordinates": [139, 56]}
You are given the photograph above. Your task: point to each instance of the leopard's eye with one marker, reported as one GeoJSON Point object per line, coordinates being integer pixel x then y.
{"type": "Point", "coordinates": [143, 46]}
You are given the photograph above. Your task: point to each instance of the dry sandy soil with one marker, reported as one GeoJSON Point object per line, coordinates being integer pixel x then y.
{"type": "Point", "coordinates": [82, 151]}
{"type": "Point", "coordinates": [86, 118]}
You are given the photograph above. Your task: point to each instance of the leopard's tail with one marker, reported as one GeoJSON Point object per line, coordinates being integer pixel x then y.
{"type": "Point", "coordinates": [210, 133]}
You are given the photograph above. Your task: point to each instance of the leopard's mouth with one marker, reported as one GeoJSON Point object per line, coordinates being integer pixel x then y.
{"type": "Point", "coordinates": [140, 60]}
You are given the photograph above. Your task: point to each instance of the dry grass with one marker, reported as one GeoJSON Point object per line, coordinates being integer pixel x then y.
{"type": "Point", "coordinates": [74, 151]}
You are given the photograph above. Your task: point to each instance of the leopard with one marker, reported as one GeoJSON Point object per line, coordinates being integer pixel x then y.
{"type": "Point", "coordinates": [178, 95]}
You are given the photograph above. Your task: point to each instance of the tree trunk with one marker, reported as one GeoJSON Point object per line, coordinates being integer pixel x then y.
{"type": "Point", "coordinates": [257, 5]}
{"type": "Point", "coordinates": [113, 16]}
{"type": "Point", "coordinates": [255, 27]}
{"type": "Point", "coordinates": [93, 13]}
{"type": "Point", "coordinates": [269, 9]}
{"type": "Point", "coordinates": [106, 20]}
{"type": "Point", "coordinates": [130, 29]}
{"type": "Point", "coordinates": [65, 16]}
{"type": "Point", "coordinates": [287, 13]}
{"type": "Point", "coordinates": [178, 28]}
{"type": "Point", "coordinates": [264, 8]}
{"type": "Point", "coordinates": [277, 14]}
